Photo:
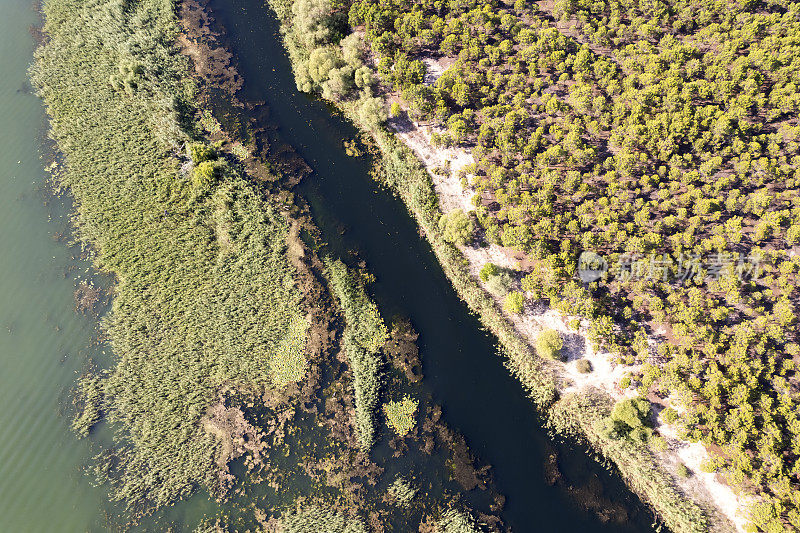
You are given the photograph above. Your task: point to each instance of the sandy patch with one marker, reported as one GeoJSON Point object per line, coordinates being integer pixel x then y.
{"type": "Point", "coordinates": [700, 484]}
{"type": "Point", "coordinates": [435, 67]}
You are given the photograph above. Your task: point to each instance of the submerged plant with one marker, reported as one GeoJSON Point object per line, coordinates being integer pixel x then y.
{"type": "Point", "coordinates": [402, 492]}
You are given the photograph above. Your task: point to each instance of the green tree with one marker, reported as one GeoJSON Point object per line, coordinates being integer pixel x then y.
{"type": "Point", "coordinates": [514, 302]}
{"type": "Point", "coordinates": [488, 270]}
{"type": "Point", "coordinates": [549, 344]}
{"type": "Point", "coordinates": [457, 227]}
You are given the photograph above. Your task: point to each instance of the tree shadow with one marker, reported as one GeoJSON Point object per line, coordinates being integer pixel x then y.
{"type": "Point", "coordinates": [574, 346]}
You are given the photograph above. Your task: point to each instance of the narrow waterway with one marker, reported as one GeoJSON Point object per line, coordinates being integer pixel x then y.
{"type": "Point", "coordinates": [550, 486]}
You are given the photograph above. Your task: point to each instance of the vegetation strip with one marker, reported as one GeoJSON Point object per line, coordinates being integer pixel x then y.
{"type": "Point", "coordinates": [205, 296]}
{"type": "Point", "coordinates": [364, 336]}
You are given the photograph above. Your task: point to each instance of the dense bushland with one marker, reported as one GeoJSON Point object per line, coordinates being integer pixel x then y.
{"type": "Point", "coordinates": [205, 296]}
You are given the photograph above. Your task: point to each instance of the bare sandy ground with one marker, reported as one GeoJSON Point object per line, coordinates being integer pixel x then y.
{"type": "Point", "coordinates": [443, 164]}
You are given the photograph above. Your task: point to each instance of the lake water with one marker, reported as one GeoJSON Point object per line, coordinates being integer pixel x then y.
{"type": "Point", "coordinates": [45, 344]}
{"type": "Point", "coordinates": [43, 341]}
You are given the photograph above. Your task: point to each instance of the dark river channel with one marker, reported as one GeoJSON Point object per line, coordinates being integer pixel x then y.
{"type": "Point", "coordinates": [549, 486]}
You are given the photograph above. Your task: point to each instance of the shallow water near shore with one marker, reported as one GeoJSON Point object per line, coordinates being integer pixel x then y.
{"type": "Point", "coordinates": [43, 342]}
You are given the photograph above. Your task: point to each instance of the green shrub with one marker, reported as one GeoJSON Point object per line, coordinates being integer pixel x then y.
{"type": "Point", "coordinates": [632, 413]}
{"type": "Point", "coordinates": [457, 227]}
{"type": "Point", "coordinates": [401, 415]}
{"type": "Point", "coordinates": [669, 415]}
{"type": "Point", "coordinates": [395, 110]}
{"type": "Point", "coordinates": [682, 471]}
{"type": "Point", "coordinates": [204, 175]}
{"type": "Point", "coordinates": [500, 284]}
{"type": "Point", "coordinates": [549, 344]}
{"type": "Point", "coordinates": [488, 270]}
{"type": "Point", "coordinates": [659, 443]}
{"type": "Point", "coordinates": [584, 366]}
{"type": "Point", "coordinates": [625, 382]}
{"type": "Point", "coordinates": [514, 303]}
{"type": "Point", "coordinates": [201, 152]}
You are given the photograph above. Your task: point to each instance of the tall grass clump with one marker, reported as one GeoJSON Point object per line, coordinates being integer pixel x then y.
{"type": "Point", "coordinates": [364, 335]}
{"type": "Point", "coordinates": [205, 295]}
{"type": "Point", "coordinates": [454, 521]}
{"type": "Point", "coordinates": [318, 519]}
{"type": "Point", "coordinates": [400, 415]}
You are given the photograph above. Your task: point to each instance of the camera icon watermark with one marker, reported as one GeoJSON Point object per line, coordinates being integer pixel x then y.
{"type": "Point", "coordinates": [591, 266]}
{"type": "Point", "coordinates": [657, 267]}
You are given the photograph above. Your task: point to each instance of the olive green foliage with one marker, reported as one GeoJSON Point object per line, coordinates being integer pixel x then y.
{"type": "Point", "coordinates": [288, 363]}
{"type": "Point", "coordinates": [209, 123]}
{"type": "Point", "coordinates": [326, 63]}
{"type": "Point", "coordinates": [128, 77]}
{"type": "Point", "coordinates": [682, 471]}
{"type": "Point", "coordinates": [669, 415]}
{"type": "Point", "coordinates": [549, 344]}
{"type": "Point", "coordinates": [658, 443]}
{"type": "Point", "coordinates": [401, 415]}
{"type": "Point", "coordinates": [200, 152]}
{"type": "Point", "coordinates": [457, 227]}
{"type": "Point", "coordinates": [632, 412]}
{"type": "Point", "coordinates": [500, 283]}
{"type": "Point", "coordinates": [631, 129]}
{"type": "Point", "coordinates": [630, 418]}
{"type": "Point", "coordinates": [454, 521]}
{"type": "Point", "coordinates": [364, 335]}
{"type": "Point", "coordinates": [311, 519]}
{"type": "Point", "coordinates": [514, 302]}
{"type": "Point", "coordinates": [205, 294]}
{"type": "Point", "coordinates": [371, 112]}
{"type": "Point", "coordinates": [487, 271]}
{"type": "Point", "coordinates": [402, 492]}
{"type": "Point", "coordinates": [584, 366]}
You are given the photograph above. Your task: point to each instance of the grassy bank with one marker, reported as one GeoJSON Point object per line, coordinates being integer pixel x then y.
{"type": "Point", "coordinates": [205, 296]}
{"type": "Point", "coordinates": [404, 173]}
